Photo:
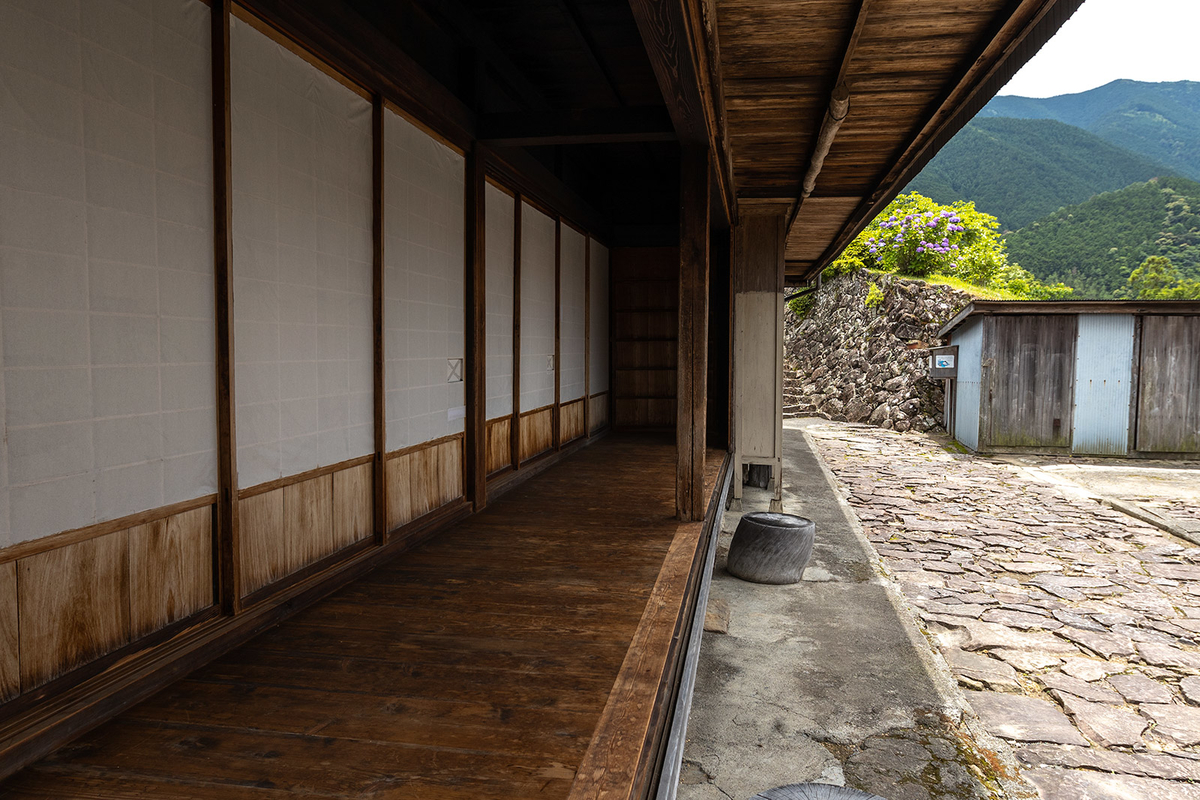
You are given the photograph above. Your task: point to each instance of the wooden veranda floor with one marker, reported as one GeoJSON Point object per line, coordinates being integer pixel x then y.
{"type": "Point", "coordinates": [476, 666]}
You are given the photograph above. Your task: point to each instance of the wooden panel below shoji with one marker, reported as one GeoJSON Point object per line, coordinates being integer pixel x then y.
{"type": "Point", "coordinates": [170, 570]}
{"type": "Point", "coordinates": [77, 602]}
{"type": "Point", "coordinates": [599, 411]}
{"type": "Point", "coordinates": [422, 479]}
{"type": "Point", "coordinates": [10, 663]}
{"type": "Point", "coordinates": [286, 529]}
{"type": "Point", "coordinates": [537, 432]}
{"type": "Point", "coordinates": [74, 606]}
{"type": "Point", "coordinates": [499, 444]}
{"type": "Point", "coordinates": [570, 421]}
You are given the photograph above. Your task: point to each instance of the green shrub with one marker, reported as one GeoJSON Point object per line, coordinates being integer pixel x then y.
{"type": "Point", "coordinates": [874, 296]}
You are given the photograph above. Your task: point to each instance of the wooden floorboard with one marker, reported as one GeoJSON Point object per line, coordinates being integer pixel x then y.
{"type": "Point", "coordinates": [475, 666]}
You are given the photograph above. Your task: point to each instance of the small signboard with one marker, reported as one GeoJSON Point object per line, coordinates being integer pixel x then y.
{"type": "Point", "coordinates": [943, 362]}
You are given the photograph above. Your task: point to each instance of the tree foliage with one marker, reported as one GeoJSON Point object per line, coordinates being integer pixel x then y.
{"type": "Point", "coordinates": [1157, 279]}
{"type": "Point", "coordinates": [916, 236]}
{"type": "Point", "coordinates": [1023, 169]}
{"type": "Point", "coordinates": [1094, 246]}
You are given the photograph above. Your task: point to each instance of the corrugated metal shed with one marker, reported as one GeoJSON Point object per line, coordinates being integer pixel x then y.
{"type": "Point", "coordinates": [1090, 377]}
{"type": "Point", "coordinates": [1103, 376]}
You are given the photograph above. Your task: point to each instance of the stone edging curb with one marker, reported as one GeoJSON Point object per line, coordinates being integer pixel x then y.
{"type": "Point", "coordinates": [955, 703]}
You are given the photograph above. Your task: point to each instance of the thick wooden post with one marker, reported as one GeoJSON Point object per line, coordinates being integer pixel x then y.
{"type": "Point", "coordinates": [377, 299]}
{"type": "Point", "coordinates": [692, 396]}
{"type": "Point", "coordinates": [557, 415]}
{"type": "Point", "coordinates": [758, 244]}
{"type": "Point", "coordinates": [514, 432]}
{"type": "Point", "coordinates": [228, 584]}
{"type": "Point", "coordinates": [476, 355]}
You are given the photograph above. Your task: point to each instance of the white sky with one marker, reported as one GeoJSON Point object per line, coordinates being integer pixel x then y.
{"type": "Point", "coordinates": [1143, 40]}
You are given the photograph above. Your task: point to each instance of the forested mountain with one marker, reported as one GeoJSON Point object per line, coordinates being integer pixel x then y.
{"type": "Point", "coordinates": [1160, 121]}
{"type": "Point", "coordinates": [1020, 170]}
{"type": "Point", "coordinates": [1095, 245]}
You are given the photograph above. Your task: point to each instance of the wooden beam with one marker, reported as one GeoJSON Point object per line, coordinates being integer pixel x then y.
{"type": "Point", "coordinates": [835, 113]}
{"type": "Point", "coordinates": [591, 126]}
{"type": "Point", "coordinates": [692, 395]}
{"type": "Point", "coordinates": [379, 476]}
{"type": "Point", "coordinates": [1030, 24]}
{"type": "Point", "coordinates": [476, 339]}
{"type": "Point", "coordinates": [226, 520]}
{"type": "Point", "coordinates": [676, 39]}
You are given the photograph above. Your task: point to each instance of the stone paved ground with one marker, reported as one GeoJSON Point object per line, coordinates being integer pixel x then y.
{"type": "Point", "coordinates": [1073, 629]}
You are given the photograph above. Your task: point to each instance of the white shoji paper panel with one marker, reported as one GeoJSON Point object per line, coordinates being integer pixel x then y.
{"type": "Point", "coordinates": [598, 299]}
{"type": "Point", "coordinates": [301, 263]}
{"type": "Point", "coordinates": [500, 214]}
{"type": "Point", "coordinates": [424, 254]}
{"type": "Point", "coordinates": [537, 309]}
{"type": "Point", "coordinates": [105, 261]}
{"type": "Point", "coordinates": [573, 303]}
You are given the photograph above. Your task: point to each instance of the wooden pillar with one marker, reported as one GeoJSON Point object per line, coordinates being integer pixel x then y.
{"type": "Point", "coordinates": [379, 485]}
{"type": "Point", "coordinates": [514, 430]}
{"type": "Point", "coordinates": [691, 398]}
{"type": "Point", "coordinates": [758, 243]}
{"type": "Point", "coordinates": [587, 337]}
{"type": "Point", "coordinates": [228, 584]}
{"type": "Point", "coordinates": [476, 354]}
{"type": "Point", "coordinates": [556, 416]}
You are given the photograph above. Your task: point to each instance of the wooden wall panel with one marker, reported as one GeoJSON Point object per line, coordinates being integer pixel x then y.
{"type": "Point", "coordinates": [308, 521]}
{"type": "Point", "coordinates": [499, 451]}
{"type": "Point", "coordinates": [645, 300]}
{"type": "Point", "coordinates": [450, 471]}
{"type": "Point", "coordinates": [1030, 381]}
{"type": "Point", "coordinates": [353, 505]}
{"type": "Point", "coordinates": [170, 570]}
{"type": "Point", "coordinates": [263, 553]}
{"type": "Point", "coordinates": [537, 432]}
{"type": "Point", "coordinates": [10, 664]}
{"type": "Point", "coordinates": [423, 481]}
{"type": "Point", "coordinates": [399, 492]}
{"type": "Point", "coordinates": [599, 411]}
{"type": "Point", "coordinates": [570, 421]}
{"type": "Point", "coordinates": [1169, 395]}
{"type": "Point", "coordinates": [74, 606]}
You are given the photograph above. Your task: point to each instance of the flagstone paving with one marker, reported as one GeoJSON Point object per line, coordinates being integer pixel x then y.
{"type": "Point", "coordinates": [1074, 628]}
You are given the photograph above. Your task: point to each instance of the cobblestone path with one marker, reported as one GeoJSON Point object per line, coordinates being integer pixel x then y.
{"type": "Point", "coordinates": [1074, 629]}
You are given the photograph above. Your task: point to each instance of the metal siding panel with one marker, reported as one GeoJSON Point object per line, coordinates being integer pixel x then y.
{"type": "Point", "coordinates": [969, 339]}
{"type": "Point", "coordinates": [1103, 373]}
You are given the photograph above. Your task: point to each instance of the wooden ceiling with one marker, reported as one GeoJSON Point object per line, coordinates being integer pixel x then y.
{"type": "Point", "coordinates": [601, 94]}
{"type": "Point", "coordinates": [915, 70]}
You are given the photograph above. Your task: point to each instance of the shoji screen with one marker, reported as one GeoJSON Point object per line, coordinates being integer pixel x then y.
{"type": "Point", "coordinates": [301, 262]}
{"type": "Point", "coordinates": [572, 313]}
{"type": "Point", "coordinates": [500, 214]}
{"type": "Point", "coordinates": [537, 309]}
{"type": "Point", "coordinates": [424, 253]}
{"type": "Point", "coordinates": [105, 263]}
{"type": "Point", "coordinates": [598, 299]}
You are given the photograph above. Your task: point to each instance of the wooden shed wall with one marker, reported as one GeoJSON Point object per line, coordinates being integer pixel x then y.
{"type": "Point", "coordinates": [1168, 418]}
{"type": "Point", "coordinates": [1029, 368]}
